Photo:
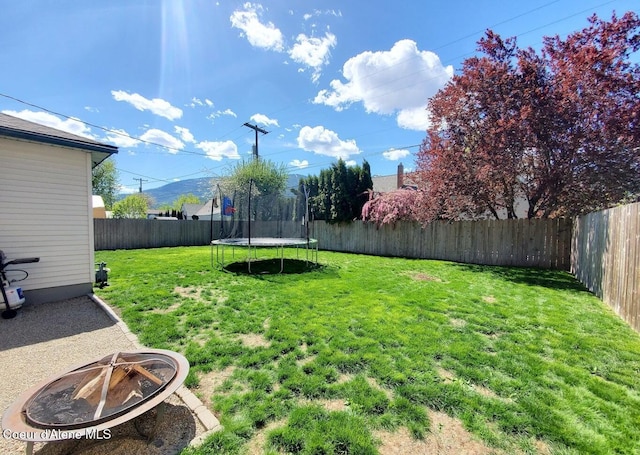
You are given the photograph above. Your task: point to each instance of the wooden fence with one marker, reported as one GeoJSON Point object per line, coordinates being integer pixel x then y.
{"type": "Point", "coordinates": [531, 243]}
{"type": "Point", "coordinates": [114, 234]}
{"type": "Point", "coordinates": [535, 243]}
{"type": "Point", "coordinates": [605, 257]}
{"type": "Point", "coordinates": [602, 249]}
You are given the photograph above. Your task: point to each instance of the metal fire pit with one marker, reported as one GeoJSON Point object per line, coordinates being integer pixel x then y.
{"type": "Point", "coordinates": [91, 398]}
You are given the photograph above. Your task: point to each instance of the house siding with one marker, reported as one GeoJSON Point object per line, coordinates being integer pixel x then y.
{"type": "Point", "coordinates": [45, 205]}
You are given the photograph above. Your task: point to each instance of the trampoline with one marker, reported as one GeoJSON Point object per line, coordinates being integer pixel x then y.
{"type": "Point", "coordinates": [310, 245]}
{"type": "Point", "coordinates": [267, 204]}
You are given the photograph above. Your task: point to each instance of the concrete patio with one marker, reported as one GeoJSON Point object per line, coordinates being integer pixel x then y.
{"type": "Point", "coordinates": [47, 339]}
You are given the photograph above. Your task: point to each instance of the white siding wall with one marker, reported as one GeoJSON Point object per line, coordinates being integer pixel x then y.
{"type": "Point", "coordinates": [45, 211]}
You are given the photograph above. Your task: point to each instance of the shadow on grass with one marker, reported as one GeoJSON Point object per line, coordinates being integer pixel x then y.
{"type": "Point", "coordinates": [272, 267]}
{"type": "Point", "coordinates": [552, 279]}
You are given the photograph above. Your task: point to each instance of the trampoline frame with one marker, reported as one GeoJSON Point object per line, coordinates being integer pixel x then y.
{"type": "Point", "coordinates": [310, 245]}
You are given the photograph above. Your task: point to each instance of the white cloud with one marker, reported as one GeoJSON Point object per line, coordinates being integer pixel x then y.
{"type": "Point", "coordinates": [317, 12]}
{"type": "Point", "coordinates": [198, 102]}
{"type": "Point", "coordinates": [322, 141]}
{"type": "Point", "coordinates": [164, 139]}
{"type": "Point", "coordinates": [127, 189]}
{"type": "Point", "coordinates": [185, 134]}
{"type": "Point", "coordinates": [218, 150]}
{"type": "Point", "coordinates": [70, 125]}
{"type": "Point", "coordinates": [120, 138]}
{"type": "Point", "coordinates": [264, 120]}
{"type": "Point", "coordinates": [299, 164]}
{"type": "Point", "coordinates": [417, 118]}
{"type": "Point", "coordinates": [265, 36]}
{"type": "Point", "coordinates": [156, 105]}
{"type": "Point", "coordinates": [350, 163]}
{"type": "Point", "coordinates": [313, 52]}
{"type": "Point", "coordinates": [395, 154]}
{"type": "Point", "coordinates": [387, 82]}
{"type": "Point", "coordinates": [215, 115]}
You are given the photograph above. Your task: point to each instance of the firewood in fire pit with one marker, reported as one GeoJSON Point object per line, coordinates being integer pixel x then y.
{"type": "Point", "coordinates": [90, 388]}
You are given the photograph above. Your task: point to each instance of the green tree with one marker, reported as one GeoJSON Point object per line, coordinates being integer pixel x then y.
{"type": "Point", "coordinates": [267, 181]}
{"type": "Point", "coordinates": [323, 198]}
{"type": "Point", "coordinates": [339, 193]}
{"type": "Point", "coordinates": [185, 199]}
{"type": "Point", "coordinates": [132, 206]}
{"type": "Point", "coordinates": [364, 186]}
{"type": "Point", "coordinates": [104, 181]}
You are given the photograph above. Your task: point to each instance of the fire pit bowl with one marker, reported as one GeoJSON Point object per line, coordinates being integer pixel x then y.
{"type": "Point", "coordinates": [91, 398]}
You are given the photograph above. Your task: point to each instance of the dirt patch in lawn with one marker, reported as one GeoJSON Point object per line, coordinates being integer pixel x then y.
{"type": "Point", "coordinates": [447, 436]}
{"type": "Point", "coordinates": [209, 383]}
{"type": "Point", "coordinates": [489, 299]}
{"type": "Point", "coordinates": [188, 292]}
{"type": "Point", "coordinates": [419, 276]}
{"type": "Point", "coordinates": [302, 362]}
{"type": "Point", "coordinates": [374, 384]}
{"type": "Point", "coordinates": [446, 375]}
{"type": "Point", "coordinates": [258, 441]}
{"type": "Point", "coordinates": [336, 404]}
{"type": "Point", "coordinates": [333, 405]}
{"type": "Point", "coordinates": [458, 322]}
{"type": "Point", "coordinates": [254, 340]}
{"type": "Point", "coordinates": [201, 294]}
{"type": "Point", "coordinates": [167, 310]}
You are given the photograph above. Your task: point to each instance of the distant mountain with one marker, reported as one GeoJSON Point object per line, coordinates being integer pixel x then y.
{"type": "Point", "coordinates": [203, 187]}
{"type": "Point", "coordinates": [167, 194]}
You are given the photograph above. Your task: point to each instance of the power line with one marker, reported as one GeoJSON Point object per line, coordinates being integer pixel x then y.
{"type": "Point", "coordinates": [184, 150]}
{"type": "Point", "coordinates": [108, 130]}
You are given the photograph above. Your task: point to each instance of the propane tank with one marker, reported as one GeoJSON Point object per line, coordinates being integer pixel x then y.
{"type": "Point", "coordinates": [14, 295]}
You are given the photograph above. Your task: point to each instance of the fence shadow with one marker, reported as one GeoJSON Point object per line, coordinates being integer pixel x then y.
{"type": "Point", "coordinates": [551, 279]}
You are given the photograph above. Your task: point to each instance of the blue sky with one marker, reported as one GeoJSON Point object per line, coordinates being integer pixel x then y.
{"type": "Point", "coordinates": [327, 79]}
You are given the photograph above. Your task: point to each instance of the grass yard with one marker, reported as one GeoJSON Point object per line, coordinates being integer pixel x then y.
{"type": "Point", "coordinates": [368, 355]}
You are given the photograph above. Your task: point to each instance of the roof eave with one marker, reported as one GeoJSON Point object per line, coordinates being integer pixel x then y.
{"type": "Point", "coordinates": [99, 152]}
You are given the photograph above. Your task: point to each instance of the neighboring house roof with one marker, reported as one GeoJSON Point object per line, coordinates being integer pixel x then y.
{"type": "Point", "coordinates": [189, 210]}
{"type": "Point", "coordinates": [206, 209]}
{"type": "Point", "coordinates": [385, 183]}
{"type": "Point", "coordinates": [18, 128]}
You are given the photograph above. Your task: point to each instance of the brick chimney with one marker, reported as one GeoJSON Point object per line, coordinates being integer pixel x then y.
{"type": "Point", "coordinates": [400, 175]}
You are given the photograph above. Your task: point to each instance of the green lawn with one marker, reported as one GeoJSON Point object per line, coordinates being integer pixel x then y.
{"type": "Point", "coordinates": [524, 358]}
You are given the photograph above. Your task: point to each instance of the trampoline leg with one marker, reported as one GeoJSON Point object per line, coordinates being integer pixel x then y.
{"type": "Point", "coordinates": [281, 259]}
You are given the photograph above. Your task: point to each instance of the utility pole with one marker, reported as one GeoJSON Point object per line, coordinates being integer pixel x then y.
{"type": "Point", "coordinates": [256, 128]}
{"type": "Point", "coordinates": [141, 181]}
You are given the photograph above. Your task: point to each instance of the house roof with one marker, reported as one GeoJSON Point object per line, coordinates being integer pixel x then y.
{"type": "Point", "coordinates": [18, 128]}
{"type": "Point", "coordinates": [385, 183]}
{"type": "Point", "coordinates": [207, 209]}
